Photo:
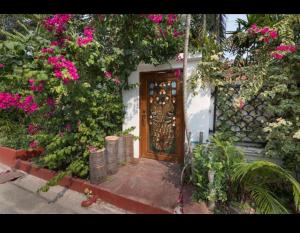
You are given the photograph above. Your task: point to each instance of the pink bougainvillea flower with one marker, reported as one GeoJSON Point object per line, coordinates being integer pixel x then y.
{"type": "Point", "coordinates": [81, 41]}
{"type": "Point", "coordinates": [277, 56]}
{"type": "Point", "coordinates": [281, 47]}
{"type": "Point", "coordinates": [8, 100]}
{"type": "Point", "coordinates": [88, 33]}
{"type": "Point", "coordinates": [287, 48]}
{"type": "Point", "coordinates": [107, 74]}
{"type": "Point", "coordinates": [51, 102]}
{"type": "Point", "coordinates": [54, 43]}
{"type": "Point", "coordinates": [33, 144]}
{"type": "Point", "coordinates": [253, 29]}
{"type": "Point", "coordinates": [266, 39]}
{"type": "Point", "coordinates": [57, 23]}
{"type": "Point", "coordinates": [59, 64]}
{"type": "Point", "coordinates": [273, 34]}
{"type": "Point", "coordinates": [176, 33]}
{"type": "Point", "coordinates": [264, 30]}
{"type": "Point", "coordinates": [28, 105]}
{"type": "Point", "coordinates": [156, 18]}
{"type": "Point", "coordinates": [38, 88]}
{"type": "Point", "coordinates": [47, 50]}
{"type": "Point", "coordinates": [171, 19]}
{"type": "Point", "coordinates": [117, 81]}
{"type": "Point", "coordinates": [177, 74]}
{"type": "Point", "coordinates": [292, 48]}
{"type": "Point", "coordinates": [33, 128]}
{"type": "Point", "coordinates": [2, 65]}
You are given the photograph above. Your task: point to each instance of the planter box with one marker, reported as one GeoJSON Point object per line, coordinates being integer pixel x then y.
{"type": "Point", "coordinates": [9, 156]}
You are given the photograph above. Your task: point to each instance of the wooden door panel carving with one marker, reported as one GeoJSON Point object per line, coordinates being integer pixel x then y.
{"type": "Point", "coordinates": [161, 116]}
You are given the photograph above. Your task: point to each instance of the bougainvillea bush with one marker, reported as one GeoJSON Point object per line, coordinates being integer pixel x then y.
{"type": "Point", "coordinates": [267, 62]}
{"type": "Point", "coordinates": [61, 78]}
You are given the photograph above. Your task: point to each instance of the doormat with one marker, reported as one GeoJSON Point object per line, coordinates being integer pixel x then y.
{"type": "Point", "coordinates": [10, 176]}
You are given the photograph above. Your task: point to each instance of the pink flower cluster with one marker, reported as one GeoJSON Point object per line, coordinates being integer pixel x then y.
{"type": "Point", "coordinates": [59, 63]}
{"type": "Point", "coordinates": [287, 48]}
{"type": "Point", "coordinates": [47, 50]}
{"type": "Point", "coordinates": [177, 34]}
{"type": "Point", "coordinates": [33, 129]}
{"type": "Point", "coordinates": [8, 100]}
{"type": "Point", "coordinates": [266, 32]}
{"type": "Point", "coordinates": [108, 75]}
{"type": "Point", "coordinates": [38, 88]}
{"type": "Point", "coordinates": [2, 65]}
{"type": "Point", "coordinates": [282, 50]}
{"type": "Point", "coordinates": [156, 18]}
{"type": "Point", "coordinates": [171, 19]}
{"type": "Point", "coordinates": [57, 22]}
{"type": "Point", "coordinates": [88, 33]}
{"type": "Point", "coordinates": [33, 144]}
{"type": "Point", "coordinates": [28, 105]}
{"type": "Point", "coordinates": [50, 102]}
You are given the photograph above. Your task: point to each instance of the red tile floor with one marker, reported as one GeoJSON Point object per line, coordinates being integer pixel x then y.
{"type": "Point", "coordinates": [153, 182]}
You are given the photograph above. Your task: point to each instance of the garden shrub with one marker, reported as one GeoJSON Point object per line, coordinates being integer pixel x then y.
{"type": "Point", "coordinates": [61, 79]}
{"type": "Point", "coordinates": [266, 63]}
{"type": "Point", "coordinates": [219, 156]}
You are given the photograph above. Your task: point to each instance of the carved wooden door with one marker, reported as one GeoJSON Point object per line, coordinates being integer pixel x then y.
{"type": "Point", "coordinates": [161, 116]}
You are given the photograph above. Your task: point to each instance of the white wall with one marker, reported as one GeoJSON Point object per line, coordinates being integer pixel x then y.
{"type": "Point", "coordinates": [199, 107]}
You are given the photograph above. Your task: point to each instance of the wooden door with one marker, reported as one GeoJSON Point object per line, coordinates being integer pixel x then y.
{"type": "Point", "coordinates": [161, 116]}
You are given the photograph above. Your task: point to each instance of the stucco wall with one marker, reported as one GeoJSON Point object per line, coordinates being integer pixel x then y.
{"type": "Point", "coordinates": [199, 107]}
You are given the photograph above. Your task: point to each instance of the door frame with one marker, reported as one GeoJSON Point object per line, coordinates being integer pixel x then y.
{"type": "Point", "coordinates": [143, 94]}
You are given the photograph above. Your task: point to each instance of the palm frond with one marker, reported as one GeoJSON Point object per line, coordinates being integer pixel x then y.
{"type": "Point", "coordinates": [260, 172]}
{"type": "Point", "coordinates": [266, 201]}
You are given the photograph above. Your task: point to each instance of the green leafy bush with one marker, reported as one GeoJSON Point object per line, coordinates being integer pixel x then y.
{"type": "Point", "coordinates": [219, 156]}
{"type": "Point", "coordinates": [74, 68]}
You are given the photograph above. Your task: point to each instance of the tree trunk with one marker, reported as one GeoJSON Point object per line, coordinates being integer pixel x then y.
{"type": "Point", "coordinates": [128, 142]}
{"type": "Point", "coordinates": [111, 154]}
{"type": "Point", "coordinates": [186, 46]}
{"type": "Point", "coordinates": [97, 163]}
